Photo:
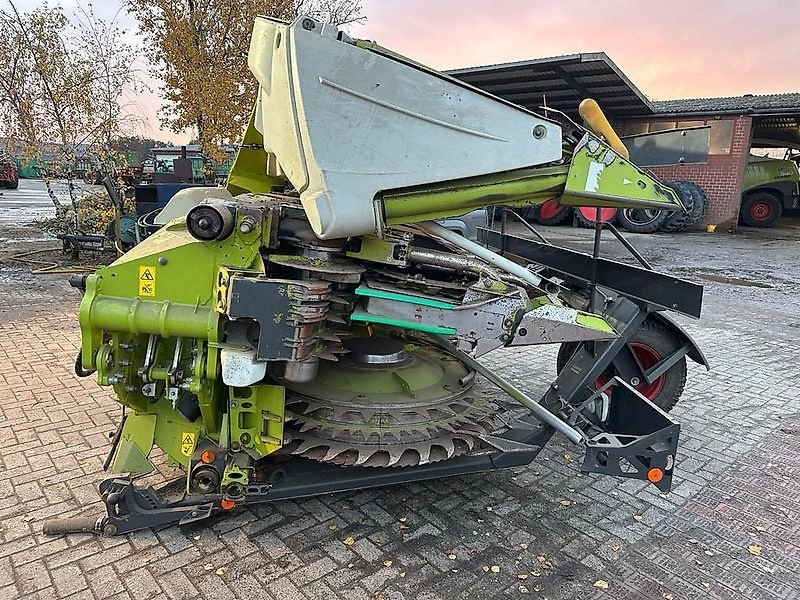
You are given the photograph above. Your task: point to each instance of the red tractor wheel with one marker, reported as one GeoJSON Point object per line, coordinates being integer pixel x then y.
{"type": "Point", "coordinates": [552, 213]}
{"type": "Point", "coordinates": [649, 346]}
{"type": "Point", "coordinates": [760, 209]}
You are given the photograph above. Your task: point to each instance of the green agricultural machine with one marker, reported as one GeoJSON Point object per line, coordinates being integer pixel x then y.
{"type": "Point", "coordinates": [312, 329]}
{"type": "Point", "coordinates": [770, 187]}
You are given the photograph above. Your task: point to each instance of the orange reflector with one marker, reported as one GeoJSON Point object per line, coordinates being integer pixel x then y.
{"type": "Point", "coordinates": [207, 457]}
{"type": "Point", "coordinates": [655, 475]}
{"type": "Point", "coordinates": [226, 504]}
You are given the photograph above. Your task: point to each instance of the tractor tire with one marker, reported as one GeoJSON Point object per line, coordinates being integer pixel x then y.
{"type": "Point", "coordinates": [641, 220]}
{"type": "Point", "coordinates": [700, 208]}
{"type": "Point", "coordinates": [651, 344]}
{"type": "Point", "coordinates": [760, 209]}
{"type": "Point", "coordinates": [13, 184]}
{"type": "Point", "coordinates": [582, 220]}
{"type": "Point", "coordinates": [551, 213]}
{"type": "Point", "coordinates": [680, 220]}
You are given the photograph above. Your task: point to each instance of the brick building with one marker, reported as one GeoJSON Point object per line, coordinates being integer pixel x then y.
{"type": "Point", "coordinates": [734, 122]}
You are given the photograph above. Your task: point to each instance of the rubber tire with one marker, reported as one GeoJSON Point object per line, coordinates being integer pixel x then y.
{"type": "Point", "coordinates": [760, 196]}
{"type": "Point", "coordinates": [582, 221]}
{"type": "Point", "coordinates": [680, 220]}
{"type": "Point", "coordinates": [632, 227]}
{"type": "Point", "coordinates": [560, 217]}
{"type": "Point", "coordinates": [701, 207]}
{"type": "Point", "coordinates": [660, 338]}
{"type": "Point", "coordinates": [13, 184]}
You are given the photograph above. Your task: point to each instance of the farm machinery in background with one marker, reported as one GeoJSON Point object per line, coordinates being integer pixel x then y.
{"type": "Point", "coordinates": [9, 178]}
{"type": "Point", "coordinates": [312, 328]}
{"type": "Point", "coordinates": [771, 186]}
{"type": "Point", "coordinates": [662, 148]}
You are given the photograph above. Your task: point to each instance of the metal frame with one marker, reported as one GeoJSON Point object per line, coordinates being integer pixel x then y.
{"type": "Point", "coordinates": [631, 440]}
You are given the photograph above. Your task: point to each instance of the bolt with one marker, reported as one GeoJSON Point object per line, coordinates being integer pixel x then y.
{"type": "Point", "coordinates": [247, 225]}
{"type": "Point", "coordinates": [162, 260]}
{"type": "Point", "coordinates": [308, 24]}
{"type": "Point", "coordinates": [539, 131]}
{"type": "Point", "coordinates": [635, 381]}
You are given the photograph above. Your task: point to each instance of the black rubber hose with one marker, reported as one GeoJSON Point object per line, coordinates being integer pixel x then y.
{"type": "Point", "coordinates": [73, 525]}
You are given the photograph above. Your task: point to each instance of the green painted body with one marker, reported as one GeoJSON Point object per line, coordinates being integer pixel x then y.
{"type": "Point", "coordinates": [763, 173]}
{"type": "Point", "coordinates": [154, 322]}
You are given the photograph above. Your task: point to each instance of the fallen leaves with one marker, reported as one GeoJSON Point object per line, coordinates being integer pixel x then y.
{"type": "Point", "coordinates": [451, 556]}
{"type": "Point", "coordinates": [565, 502]}
{"type": "Point", "coordinates": [387, 563]}
{"type": "Point", "coordinates": [522, 576]}
{"type": "Point", "coordinates": [754, 549]}
{"type": "Point", "coordinates": [221, 571]}
{"type": "Point", "coordinates": [495, 568]}
{"type": "Point", "coordinates": [333, 526]}
{"type": "Point", "coordinates": [637, 518]}
{"type": "Point", "coordinates": [601, 583]}
{"type": "Point", "coordinates": [348, 541]}
{"type": "Point", "coordinates": [666, 595]}
{"type": "Point", "coordinates": [208, 566]}
{"type": "Point", "coordinates": [27, 519]}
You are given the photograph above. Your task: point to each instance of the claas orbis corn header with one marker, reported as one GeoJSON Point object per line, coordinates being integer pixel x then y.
{"type": "Point", "coordinates": [311, 328]}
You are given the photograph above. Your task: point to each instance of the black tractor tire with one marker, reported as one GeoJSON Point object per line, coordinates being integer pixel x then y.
{"type": "Point", "coordinates": [700, 208]}
{"type": "Point", "coordinates": [641, 220]}
{"type": "Point", "coordinates": [553, 215]}
{"type": "Point", "coordinates": [653, 341]}
{"type": "Point", "coordinates": [582, 221]}
{"type": "Point", "coordinates": [680, 220]}
{"type": "Point", "coordinates": [13, 184]}
{"type": "Point", "coordinates": [760, 209]}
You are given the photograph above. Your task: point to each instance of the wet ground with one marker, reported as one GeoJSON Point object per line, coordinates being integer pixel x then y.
{"type": "Point", "coordinates": [730, 527]}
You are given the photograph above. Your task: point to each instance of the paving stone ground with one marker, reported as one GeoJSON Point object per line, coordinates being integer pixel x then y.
{"type": "Point", "coordinates": [736, 487]}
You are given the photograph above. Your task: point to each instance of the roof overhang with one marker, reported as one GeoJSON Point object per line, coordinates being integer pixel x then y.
{"type": "Point", "coordinates": [561, 82]}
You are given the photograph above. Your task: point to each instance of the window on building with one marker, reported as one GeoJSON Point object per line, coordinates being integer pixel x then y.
{"type": "Point", "coordinates": [721, 136]}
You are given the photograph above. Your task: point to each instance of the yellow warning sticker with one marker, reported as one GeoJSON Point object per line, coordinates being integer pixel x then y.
{"type": "Point", "coordinates": [147, 281]}
{"type": "Point", "coordinates": [187, 443]}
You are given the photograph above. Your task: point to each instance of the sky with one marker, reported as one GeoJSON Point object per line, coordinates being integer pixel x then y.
{"type": "Point", "coordinates": [668, 48]}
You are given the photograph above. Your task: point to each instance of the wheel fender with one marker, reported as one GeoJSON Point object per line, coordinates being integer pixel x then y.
{"type": "Point", "coordinates": [695, 353]}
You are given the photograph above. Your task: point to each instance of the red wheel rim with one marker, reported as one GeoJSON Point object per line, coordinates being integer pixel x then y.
{"type": "Point", "coordinates": [550, 209]}
{"type": "Point", "coordinates": [648, 358]}
{"type": "Point", "coordinates": [761, 211]}
{"type": "Point", "coordinates": [589, 213]}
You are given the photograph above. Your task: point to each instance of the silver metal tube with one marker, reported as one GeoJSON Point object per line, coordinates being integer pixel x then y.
{"type": "Point", "coordinates": [446, 260]}
{"type": "Point", "coordinates": [539, 411]}
{"type": "Point", "coordinates": [490, 257]}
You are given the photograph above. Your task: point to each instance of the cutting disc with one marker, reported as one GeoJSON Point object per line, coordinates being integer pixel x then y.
{"type": "Point", "coordinates": [386, 403]}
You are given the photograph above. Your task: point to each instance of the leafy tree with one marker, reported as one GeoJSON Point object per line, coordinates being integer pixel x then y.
{"type": "Point", "coordinates": [62, 81]}
{"type": "Point", "coordinates": [198, 50]}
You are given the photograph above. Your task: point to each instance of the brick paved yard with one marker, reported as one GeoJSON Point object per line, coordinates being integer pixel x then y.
{"type": "Point", "coordinates": [505, 534]}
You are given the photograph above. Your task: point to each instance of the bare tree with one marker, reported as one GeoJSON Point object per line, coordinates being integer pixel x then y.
{"type": "Point", "coordinates": [198, 50]}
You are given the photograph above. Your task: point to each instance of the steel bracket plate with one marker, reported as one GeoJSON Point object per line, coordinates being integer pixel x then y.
{"type": "Point", "coordinates": [639, 440]}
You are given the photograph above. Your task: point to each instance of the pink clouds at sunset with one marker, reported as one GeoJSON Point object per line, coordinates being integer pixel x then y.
{"type": "Point", "coordinates": [669, 49]}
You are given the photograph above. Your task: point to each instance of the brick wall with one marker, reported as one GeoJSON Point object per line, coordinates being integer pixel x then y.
{"type": "Point", "coordinates": [721, 177]}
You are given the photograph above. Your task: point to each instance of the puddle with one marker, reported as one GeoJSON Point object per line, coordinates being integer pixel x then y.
{"type": "Point", "coordinates": [733, 280]}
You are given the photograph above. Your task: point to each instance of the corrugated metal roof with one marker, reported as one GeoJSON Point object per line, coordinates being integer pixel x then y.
{"type": "Point", "coordinates": [750, 103]}
{"type": "Point", "coordinates": [561, 82]}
